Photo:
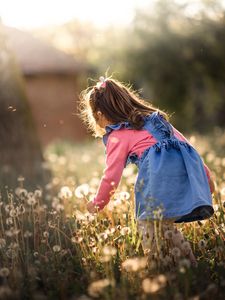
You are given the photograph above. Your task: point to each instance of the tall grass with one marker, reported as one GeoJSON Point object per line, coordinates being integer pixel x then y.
{"type": "Point", "coordinates": [51, 248]}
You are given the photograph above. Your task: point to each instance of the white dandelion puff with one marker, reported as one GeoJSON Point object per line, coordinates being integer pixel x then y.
{"type": "Point", "coordinates": [82, 190]}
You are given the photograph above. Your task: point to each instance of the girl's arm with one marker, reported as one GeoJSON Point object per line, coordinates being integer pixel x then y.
{"type": "Point", "coordinates": [116, 155]}
{"type": "Point", "coordinates": [180, 136]}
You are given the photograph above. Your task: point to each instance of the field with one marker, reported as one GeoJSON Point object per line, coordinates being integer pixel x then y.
{"type": "Point", "coordinates": [51, 248]}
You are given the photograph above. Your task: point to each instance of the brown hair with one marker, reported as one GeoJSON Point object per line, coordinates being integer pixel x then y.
{"type": "Point", "coordinates": [117, 102]}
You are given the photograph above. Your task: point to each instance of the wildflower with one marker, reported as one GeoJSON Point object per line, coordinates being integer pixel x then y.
{"type": "Point", "coordinates": [38, 193]}
{"type": "Point", "coordinates": [186, 248]}
{"type": "Point", "coordinates": [184, 263]}
{"type": "Point", "coordinates": [8, 207]}
{"type": "Point", "coordinates": [124, 195]}
{"type": "Point", "coordinates": [134, 264]}
{"type": "Point", "coordinates": [176, 252]}
{"type": "Point", "coordinates": [102, 236]}
{"type": "Point", "coordinates": [151, 286]}
{"type": "Point", "coordinates": [9, 221]}
{"type": "Point", "coordinates": [36, 254]}
{"type": "Point", "coordinates": [168, 234]}
{"type": "Point", "coordinates": [13, 213]}
{"type": "Point", "coordinates": [65, 192]}
{"type": "Point", "coordinates": [77, 239]}
{"type": "Point", "coordinates": [56, 248]}
{"type": "Point", "coordinates": [177, 237]}
{"type": "Point", "coordinates": [167, 260]}
{"type": "Point", "coordinates": [202, 244]}
{"type": "Point", "coordinates": [2, 243]}
{"type": "Point", "coordinates": [59, 207]}
{"type": "Point", "coordinates": [97, 287]}
{"type": "Point", "coordinates": [4, 272]}
{"type": "Point", "coordinates": [109, 251]}
{"type": "Point", "coordinates": [27, 234]}
{"type": "Point", "coordinates": [21, 192]}
{"type": "Point", "coordinates": [125, 230]}
{"type": "Point", "coordinates": [31, 201]}
{"type": "Point", "coordinates": [20, 209]}
{"type": "Point", "coordinates": [46, 234]}
{"type": "Point", "coordinates": [82, 190]}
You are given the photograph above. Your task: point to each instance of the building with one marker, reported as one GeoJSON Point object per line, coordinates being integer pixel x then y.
{"type": "Point", "coordinates": [52, 86]}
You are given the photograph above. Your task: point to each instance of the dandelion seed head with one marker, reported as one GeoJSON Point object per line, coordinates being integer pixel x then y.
{"type": "Point", "coordinates": [56, 248]}
{"type": "Point", "coordinates": [125, 230]}
{"type": "Point", "coordinates": [82, 190]}
{"type": "Point", "coordinates": [151, 286]}
{"type": "Point", "coordinates": [65, 192]}
{"type": "Point", "coordinates": [202, 244]}
{"type": "Point", "coordinates": [134, 264]}
{"type": "Point", "coordinates": [176, 252]}
{"type": "Point", "coordinates": [96, 288]}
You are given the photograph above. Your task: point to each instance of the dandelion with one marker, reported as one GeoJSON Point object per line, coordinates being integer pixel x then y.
{"type": "Point", "coordinates": [2, 243]}
{"type": "Point", "coordinates": [8, 207]}
{"type": "Point", "coordinates": [186, 247]}
{"type": "Point", "coordinates": [109, 251]}
{"type": "Point", "coordinates": [31, 201]}
{"type": "Point", "coordinates": [184, 263]}
{"type": "Point", "coordinates": [27, 234]}
{"type": "Point", "coordinates": [56, 248]}
{"type": "Point", "coordinates": [167, 260]}
{"type": "Point", "coordinates": [20, 178]}
{"type": "Point", "coordinates": [13, 213]}
{"type": "Point", "coordinates": [102, 236]}
{"type": "Point", "coordinates": [168, 234]}
{"type": "Point", "coordinates": [9, 221]}
{"type": "Point", "coordinates": [77, 239]}
{"type": "Point", "coordinates": [151, 286]}
{"type": "Point", "coordinates": [96, 288]}
{"type": "Point", "coordinates": [4, 272]}
{"type": "Point", "coordinates": [202, 244]}
{"type": "Point", "coordinates": [124, 195]}
{"type": "Point", "coordinates": [59, 207]}
{"type": "Point", "coordinates": [176, 252]}
{"type": "Point", "coordinates": [21, 192]}
{"type": "Point", "coordinates": [38, 193]}
{"type": "Point", "coordinates": [134, 264]}
{"type": "Point", "coordinates": [82, 190]}
{"type": "Point", "coordinates": [20, 210]}
{"type": "Point", "coordinates": [125, 230]}
{"type": "Point", "coordinates": [65, 192]}
{"type": "Point", "coordinates": [46, 234]}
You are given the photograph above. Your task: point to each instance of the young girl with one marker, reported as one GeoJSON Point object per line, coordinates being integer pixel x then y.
{"type": "Point", "coordinates": [173, 184]}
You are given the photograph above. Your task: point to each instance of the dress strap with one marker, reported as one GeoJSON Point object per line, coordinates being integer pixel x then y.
{"type": "Point", "coordinates": [158, 126]}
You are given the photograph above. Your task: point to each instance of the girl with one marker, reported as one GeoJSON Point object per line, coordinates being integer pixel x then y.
{"type": "Point", "coordinates": [173, 184]}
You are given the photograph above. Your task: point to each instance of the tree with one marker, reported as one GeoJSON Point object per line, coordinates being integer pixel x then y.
{"type": "Point", "coordinates": [20, 150]}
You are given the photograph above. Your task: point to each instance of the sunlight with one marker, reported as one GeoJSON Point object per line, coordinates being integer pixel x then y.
{"type": "Point", "coordinates": [31, 14]}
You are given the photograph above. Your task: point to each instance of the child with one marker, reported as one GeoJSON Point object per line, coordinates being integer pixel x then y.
{"type": "Point", "coordinates": [173, 183]}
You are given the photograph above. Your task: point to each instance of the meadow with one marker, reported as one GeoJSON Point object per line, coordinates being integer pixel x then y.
{"type": "Point", "coordinates": [52, 248]}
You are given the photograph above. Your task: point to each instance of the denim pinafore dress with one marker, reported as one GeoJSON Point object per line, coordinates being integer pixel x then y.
{"type": "Point", "coordinates": [171, 180]}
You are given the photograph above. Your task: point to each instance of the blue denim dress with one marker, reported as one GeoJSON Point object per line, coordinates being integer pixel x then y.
{"type": "Point", "coordinates": [171, 180]}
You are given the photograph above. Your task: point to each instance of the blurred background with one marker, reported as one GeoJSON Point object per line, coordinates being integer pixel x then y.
{"type": "Point", "coordinates": [171, 51]}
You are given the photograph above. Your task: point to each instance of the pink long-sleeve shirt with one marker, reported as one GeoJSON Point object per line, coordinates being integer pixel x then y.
{"type": "Point", "coordinates": [119, 145]}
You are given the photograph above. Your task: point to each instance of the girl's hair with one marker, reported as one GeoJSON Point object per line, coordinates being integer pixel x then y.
{"type": "Point", "coordinates": [117, 102]}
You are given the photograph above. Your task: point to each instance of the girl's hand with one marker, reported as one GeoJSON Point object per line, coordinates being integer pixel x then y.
{"type": "Point", "coordinates": [91, 207]}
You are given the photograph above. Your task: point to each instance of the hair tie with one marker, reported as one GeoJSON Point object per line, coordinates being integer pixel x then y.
{"type": "Point", "coordinates": [102, 80]}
